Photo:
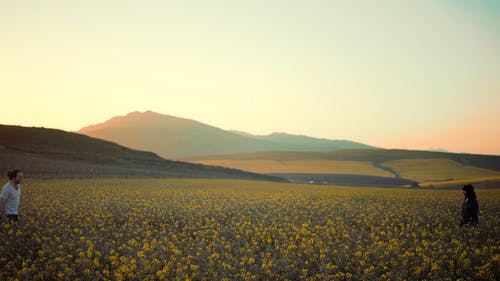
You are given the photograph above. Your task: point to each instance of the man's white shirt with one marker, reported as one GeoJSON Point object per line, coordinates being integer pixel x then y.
{"type": "Point", "coordinates": [11, 197]}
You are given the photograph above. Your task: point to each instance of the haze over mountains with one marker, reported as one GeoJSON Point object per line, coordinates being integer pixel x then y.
{"type": "Point", "coordinates": [174, 137]}
{"type": "Point", "coordinates": [51, 153]}
{"type": "Point", "coordinates": [213, 152]}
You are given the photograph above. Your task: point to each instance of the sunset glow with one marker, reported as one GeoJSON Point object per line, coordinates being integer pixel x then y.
{"type": "Point", "coordinates": [393, 74]}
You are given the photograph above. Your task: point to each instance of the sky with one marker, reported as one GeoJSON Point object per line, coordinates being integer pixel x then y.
{"type": "Point", "coordinates": [393, 74]}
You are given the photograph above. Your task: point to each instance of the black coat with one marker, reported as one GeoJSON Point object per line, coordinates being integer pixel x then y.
{"type": "Point", "coordinates": [470, 212]}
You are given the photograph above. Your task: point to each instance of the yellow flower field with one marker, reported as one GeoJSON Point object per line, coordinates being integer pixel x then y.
{"type": "Point", "coordinates": [185, 229]}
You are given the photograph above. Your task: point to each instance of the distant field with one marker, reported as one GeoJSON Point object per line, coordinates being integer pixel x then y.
{"type": "Point", "coordinates": [485, 182]}
{"type": "Point", "coordinates": [346, 180]}
{"type": "Point", "coordinates": [430, 170]}
{"type": "Point", "coordinates": [439, 173]}
{"type": "Point", "coordinates": [186, 229]}
{"type": "Point", "coordinates": [301, 166]}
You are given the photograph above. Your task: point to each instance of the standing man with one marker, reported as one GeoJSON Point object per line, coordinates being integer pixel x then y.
{"type": "Point", "coordinates": [10, 195]}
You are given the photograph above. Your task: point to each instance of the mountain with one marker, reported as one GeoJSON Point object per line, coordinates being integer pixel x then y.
{"type": "Point", "coordinates": [174, 137]}
{"type": "Point", "coordinates": [42, 152]}
{"type": "Point", "coordinates": [313, 144]}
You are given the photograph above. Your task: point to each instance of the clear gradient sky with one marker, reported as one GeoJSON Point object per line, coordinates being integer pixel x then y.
{"type": "Point", "coordinates": [394, 74]}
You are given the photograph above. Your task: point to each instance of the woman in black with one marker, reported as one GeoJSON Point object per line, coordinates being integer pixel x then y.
{"type": "Point", "coordinates": [470, 207]}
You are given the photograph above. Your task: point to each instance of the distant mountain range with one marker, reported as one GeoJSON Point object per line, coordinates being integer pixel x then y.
{"type": "Point", "coordinates": [49, 153]}
{"type": "Point", "coordinates": [176, 138]}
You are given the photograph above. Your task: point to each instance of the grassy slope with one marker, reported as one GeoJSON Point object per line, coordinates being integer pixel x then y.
{"type": "Point", "coordinates": [301, 166]}
{"type": "Point", "coordinates": [421, 166]}
{"type": "Point", "coordinates": [484, 182]}
{"type": "Point", "coordinates": [426, 170]}
{"type": "Point", "coordinates": [42, 152]}
{"type": "Point", "coordinates": [491, 162]}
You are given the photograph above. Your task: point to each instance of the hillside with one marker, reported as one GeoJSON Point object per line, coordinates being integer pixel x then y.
{"type": "Point", "coordinates": [42, 152]}
{"type": "Point", "coordinates": [491, 162]}
{"type": "Point", "coordinates": [357, 166]}
{"type": "Point", "coordinates": [174, 138]}
{"type": "Point", "coordinates": [305, 143]}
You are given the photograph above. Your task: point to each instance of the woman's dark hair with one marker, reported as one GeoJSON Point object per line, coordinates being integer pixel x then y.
{"type": "Point", "coordinates": [469, 191]}
{"type": "Point", "coordinates": [13, 173]}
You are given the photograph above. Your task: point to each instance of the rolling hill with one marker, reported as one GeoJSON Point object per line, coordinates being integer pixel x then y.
{"type": "Point", "coordinates": [174, 138]}
{"type": "Point", "coordinates": [365, 166]}
{"type": "Point", "coordinates": [47, 153]}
